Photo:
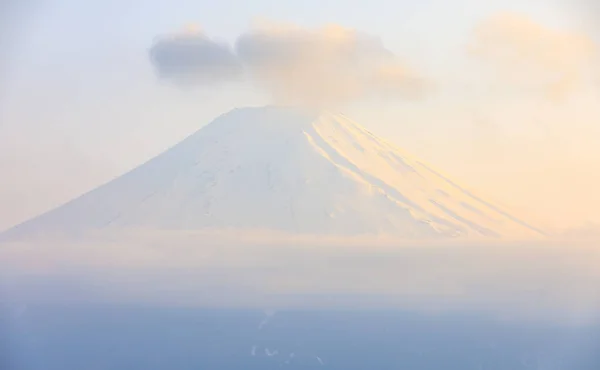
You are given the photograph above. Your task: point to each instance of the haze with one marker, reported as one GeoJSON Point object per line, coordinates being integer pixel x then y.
{"type": "Point", "coordinates": [291, 236]}
{"type": "Point", "coordinates": [80, 102]}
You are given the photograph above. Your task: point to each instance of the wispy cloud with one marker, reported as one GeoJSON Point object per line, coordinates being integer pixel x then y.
{"type": "Point", "coordinates": [529, 55]}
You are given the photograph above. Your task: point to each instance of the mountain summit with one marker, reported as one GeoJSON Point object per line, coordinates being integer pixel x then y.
{"type": "Point", "coordinates": [287, 170]}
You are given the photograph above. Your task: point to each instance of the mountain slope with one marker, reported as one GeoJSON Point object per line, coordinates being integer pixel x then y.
{"type": "Point", "coordinates": [286, 170]}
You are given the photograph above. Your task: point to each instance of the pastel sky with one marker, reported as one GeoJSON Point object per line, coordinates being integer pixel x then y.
{"type": "Point", "coordinates": [80, 102]}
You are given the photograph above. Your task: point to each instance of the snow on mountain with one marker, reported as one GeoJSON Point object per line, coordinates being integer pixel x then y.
{"type": "Point", "coordinates": [589, 231]}
{"type": "Point", "coordinates": [287, 170]}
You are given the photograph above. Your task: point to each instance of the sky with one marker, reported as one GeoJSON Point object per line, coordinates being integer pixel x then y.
{"type": "Point", "coordinates": [80, 102]}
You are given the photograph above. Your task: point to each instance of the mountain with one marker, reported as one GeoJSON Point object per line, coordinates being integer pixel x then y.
{"type": "Point", "coordinates": [589, 231]}
{"type": "Point", "coordinates": [276, 168]}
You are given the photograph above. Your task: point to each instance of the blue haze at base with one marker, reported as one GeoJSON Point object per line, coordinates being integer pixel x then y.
{"type": "Point", "coordinates": [75, 337]}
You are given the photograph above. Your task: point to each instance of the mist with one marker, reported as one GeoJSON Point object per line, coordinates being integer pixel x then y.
{"type": "Point", "coordinates": [501, 95]}
{"type": "Point", "coordinates": [83, 94]}
{"type": "Point", "coordinates": [544, 281]}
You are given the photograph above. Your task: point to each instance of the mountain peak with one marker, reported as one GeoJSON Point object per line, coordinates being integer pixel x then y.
{"type": "Point", "coordinates": [270, 116]}
{"type": "Point", "coordinates": [284, 169]}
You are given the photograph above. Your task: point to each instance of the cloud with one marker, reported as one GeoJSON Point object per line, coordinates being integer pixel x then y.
{"type": "Point", "coordinates": [296, 65]}
{"type": "Point", "coordinates": [529, 55]}
{"type": "Point", "coordinates": [191, 58]}
{"type": "Point", "coordinates": [328, 65]}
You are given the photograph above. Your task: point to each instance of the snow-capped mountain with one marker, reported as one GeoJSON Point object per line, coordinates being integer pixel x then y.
{"type": "Point", "coordinates": [283, 169]}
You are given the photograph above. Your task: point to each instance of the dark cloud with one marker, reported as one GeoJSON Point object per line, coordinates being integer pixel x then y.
{"type": "Point", "coordinates": [193, 58]}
